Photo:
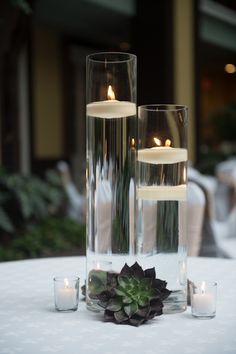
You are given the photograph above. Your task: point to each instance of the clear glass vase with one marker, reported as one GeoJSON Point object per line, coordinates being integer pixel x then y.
{"type": "Point", "coordinates": [111, 138]}
{"type": "Point", "coordinates": [161, 197]}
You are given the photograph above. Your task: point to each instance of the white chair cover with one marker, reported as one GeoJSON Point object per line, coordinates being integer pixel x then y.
{"type": "Point", "coordinates": [196, 209]}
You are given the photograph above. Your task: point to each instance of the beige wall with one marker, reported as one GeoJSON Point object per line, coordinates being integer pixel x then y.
{"type": "Point", "coordinates": [47, 95]}
{"type": "Point", "coordinates": [184, 64]}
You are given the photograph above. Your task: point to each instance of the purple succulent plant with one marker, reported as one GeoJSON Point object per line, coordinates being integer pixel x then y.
{"type": "Point", "coordinates": [133, 296]}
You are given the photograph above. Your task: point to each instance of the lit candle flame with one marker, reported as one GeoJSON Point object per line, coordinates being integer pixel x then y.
{"type": "Point", "coordinates": [66, 283]}
{"type": "Point", "coordinates": [133, 142]}
{"type": "Point", "coordinates": [168, 142]}
{"type": "Point", "coordinates": [157, 141]}
{"type": "Point", "coordinates": [203, 287]}
{"type": "Point", "coordinates": [110, 93]}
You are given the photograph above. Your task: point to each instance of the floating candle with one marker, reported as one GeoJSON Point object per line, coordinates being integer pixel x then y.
{"type": "Point", "coordinates": [162, 155]}
{"type": "Point", "coordinates": [111, 108]}
{"type": "Point", "coordinates": [162, 192]}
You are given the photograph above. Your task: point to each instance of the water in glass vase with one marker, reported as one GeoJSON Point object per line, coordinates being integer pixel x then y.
{"type": "Point", "coordinates": [111, 198]}
{"type": "Point", "coordinates": [161, 197]}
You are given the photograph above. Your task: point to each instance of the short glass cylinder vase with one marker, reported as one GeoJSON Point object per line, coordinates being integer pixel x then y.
{"type": "Point", "coordinates": [161, 197]}
{"type": "Point", "coordinates": [111, 138]}
{"type": "Point", "coordinates": [66, 293]}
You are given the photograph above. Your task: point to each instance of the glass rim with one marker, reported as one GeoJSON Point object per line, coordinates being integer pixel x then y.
{"type": "Point", "coordinates": [127, 57]}
{"type": "Point", "coordinates": [69, 277]}
{"type": "Point", "coordinates": [163, 107]}
{"type": "Point", "coordinates": [198, 282]}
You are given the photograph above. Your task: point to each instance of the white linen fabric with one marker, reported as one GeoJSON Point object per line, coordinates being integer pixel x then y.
{"type": "Point", "coordinates": [29, 323]}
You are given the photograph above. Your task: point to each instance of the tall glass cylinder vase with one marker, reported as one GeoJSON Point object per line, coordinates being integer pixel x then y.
{"type": "Point", "coordinates": [111, 138]}
{"type": "Point", "coordinates": [161, 197]}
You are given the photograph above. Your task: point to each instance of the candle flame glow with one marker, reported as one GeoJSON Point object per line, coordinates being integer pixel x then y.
{"type": "Point", "coordinates": [66, 283]}
{"type": "Point", "coordinates": [157, 141]}
{"type": "Point", "coordinates": [133, 142]}
{"type": "Point", "coordinates": [168, 142]}
{"type": "Point", "coordinates": [203, 287]}
{"type": "Point", "coordinates": [110, 93]}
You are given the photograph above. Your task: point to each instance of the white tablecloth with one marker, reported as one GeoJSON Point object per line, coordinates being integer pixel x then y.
{"type": "Point", "coordinates": [30, 325]}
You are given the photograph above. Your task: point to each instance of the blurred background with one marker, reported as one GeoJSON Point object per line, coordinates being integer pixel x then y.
{"type": "Point", "coordinates": [186, 53]}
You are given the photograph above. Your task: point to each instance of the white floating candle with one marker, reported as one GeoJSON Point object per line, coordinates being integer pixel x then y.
{"type": "Point", "coordinates": [111, 109]}
{"type": "Point", "coordinates": [162, 155]}
{"type": "Point", "coordinates": [162, 192]}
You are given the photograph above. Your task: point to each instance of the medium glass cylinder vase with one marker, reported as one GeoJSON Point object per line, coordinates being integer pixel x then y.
{"type": "Point", "coordinates": [161, 197]}
{"type": "Point", "coordinates": [111, 139]}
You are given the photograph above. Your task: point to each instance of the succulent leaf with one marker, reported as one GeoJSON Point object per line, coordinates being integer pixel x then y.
{"type": "Point", "coordinates": [120, 316]}
{"type": "Point", "coordinates": [137, 271]}
{"type": "Point", "coordinates": [131, 309]}
{"type": "Point", "coordinates": [123, 281]}
{"type": "Point", "coordinates": [127, 300]}
{"type": "Point", "coordinates": [114, 304]}
{"type": "Point", "coordinates": [126, 270]}
{"type": "Point", "coordinates": [119, 291]}
{"type": "Point", "coordinates": [150, 273]}
{"type": "Point", "coordinates": [143, 311]}
{"type": "Point", "coordinates": [143, 301]}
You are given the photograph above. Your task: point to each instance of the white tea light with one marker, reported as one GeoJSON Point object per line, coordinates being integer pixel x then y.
{"type": "Point", "coordinates": [66, 293]}
{"type": "Point", "coordinates": [203, 300]}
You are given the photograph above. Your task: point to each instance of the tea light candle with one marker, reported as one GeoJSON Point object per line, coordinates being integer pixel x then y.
{"type": "Point", "coordinates": [66, 294]}
{"type": "Point", "coordinates": [203, 302]}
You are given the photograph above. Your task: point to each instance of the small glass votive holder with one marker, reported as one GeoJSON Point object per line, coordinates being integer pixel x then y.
{"type": "Point", "coordinates": [203, 299]}
{"type": "Point", "coordinates": [66, 293]}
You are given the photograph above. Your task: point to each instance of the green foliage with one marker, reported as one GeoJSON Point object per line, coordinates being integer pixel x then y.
{"type": "Point", "coordinates": [28, 199]}
{"type": "Point", "coordinates": [23, 5]}
{"type": "Point", "coordinates": [32, 221]}
{"type": "Point", "coordinates": [52, 237]}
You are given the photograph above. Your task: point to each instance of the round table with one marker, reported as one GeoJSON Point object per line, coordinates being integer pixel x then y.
{"type": "Point", "coordinates": [29, 323]}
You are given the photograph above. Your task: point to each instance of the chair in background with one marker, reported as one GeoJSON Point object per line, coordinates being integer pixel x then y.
{"type": "Point", "coordinates": [76, 201]}
{"type": "Point", "coordinates": [226, 192]}
{"type": "Point", "coordinates": [215, 234]}
{"type": "Point", "coordinates": [195, 210]}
